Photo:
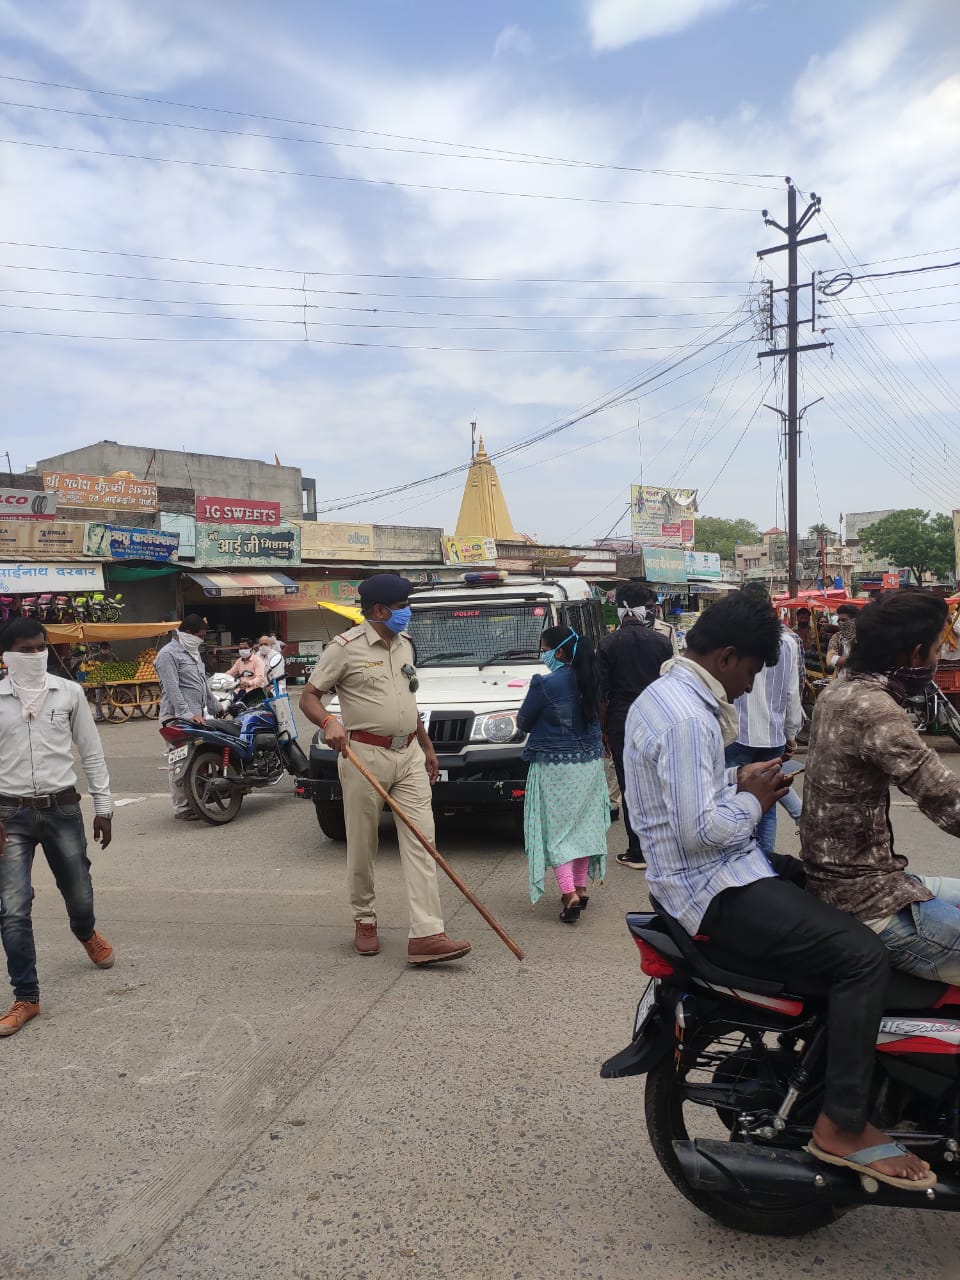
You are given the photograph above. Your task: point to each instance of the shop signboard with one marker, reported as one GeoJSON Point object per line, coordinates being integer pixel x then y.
{"type": "Point", "coordinates": [664, 564]}
{"type": "Point", "coordinates": [469, 550]}
{"type": "Point", "coordinates": [101, 493]}
{"type": "Point", "coordinates": [117, 542]}
{"type": "Point", "coordinates": [889, 581]}
{"type": "Point", "coordinates": [238, 511]}
{"type": "Point", "coordinates": [27, 504]}
{"type": "Point", "coordinates": [322, 541]}
{"type": "Point", "coordinates": [702, 564]}
{"type": "Point", "coordinates": [247, 546]}
{"type": "Point", "coordinates": [28, 578]}
{"type": "Point", "coordinates": [41, 538]}
{"type": "Point", "coordinates": [309, 595]}
{"type": "Point", "coordinates": [662, 517]}
{"type": "Point", "coordinates": [185, 527]}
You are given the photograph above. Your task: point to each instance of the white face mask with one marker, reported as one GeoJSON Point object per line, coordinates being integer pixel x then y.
{"type": "Point", "coordinates": [265, 650]}
{"type": "Point", "coordinates": [190, 643]}
{"type": "Point", "coordinates": [28, 675]}
{"type": "Point", "coordinates": [244, 653]}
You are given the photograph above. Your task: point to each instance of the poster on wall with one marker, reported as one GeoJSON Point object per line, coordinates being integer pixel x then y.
{"type": "Point", "coordinates": [702, 564]}
{"type": "Point", "coordinates": [469, 550]}
{"type": "Point", "coordinates": [239, 546]}
{"type": "Point", "coordinates": [27, 504]}
{"type": "Point", "coordinates": [117, 542]}
{"type": "Point", "coordinates": [107, 493]}
{"type": "Point", "coordinates": [662, 517]}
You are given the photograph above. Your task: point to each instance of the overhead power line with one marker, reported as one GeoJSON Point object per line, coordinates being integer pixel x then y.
{"type": "Point", "coordinates": [492, 153]}
{"type": "Point", "coordinates": [842, 281]}
{"type": "Point", "coordinates": [377, 182]}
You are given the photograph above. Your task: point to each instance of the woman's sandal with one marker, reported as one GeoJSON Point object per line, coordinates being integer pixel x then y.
{"type": "Point", "coordinates": [584, 899]}
{"type": "Point", "coordinates": [570, 914]}
{"type": "Point", "coordinates": [860, 1162]}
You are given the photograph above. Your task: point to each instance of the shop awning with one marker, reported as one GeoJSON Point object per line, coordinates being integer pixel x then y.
{"type": "Point", "coordinates": [262, 583]}
{"type": "Point", "coordinates": [75, 632]}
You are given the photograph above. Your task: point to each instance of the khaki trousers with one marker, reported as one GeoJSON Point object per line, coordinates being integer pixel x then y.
{"type": "Point", "coordinates": [402, 774]}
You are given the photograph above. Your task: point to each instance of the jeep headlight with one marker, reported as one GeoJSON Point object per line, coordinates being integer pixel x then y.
{"type": "Point", "coordinates": [495, 726]}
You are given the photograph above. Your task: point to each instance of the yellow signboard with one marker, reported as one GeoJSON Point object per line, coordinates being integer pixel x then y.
{"type": "Point", "coordinates": [44, 538]}
{"type": "Point", "coordinates": [102, 493]}
{"type": "Point", "coordinates": [469, 550]}
{"type": "Point", "coordinates": [320, 541]}
{"type": "Point", "coordinates": [309, 595]}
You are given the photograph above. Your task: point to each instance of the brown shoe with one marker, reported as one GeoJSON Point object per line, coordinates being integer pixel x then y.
{"type": "Point", "coordinates": [19, 1013]}
{"type": "Point", "coordinates": [366, 941]}
{"type": "Point", "coordinates": [437, 947]}
{"type": "Point", "coordinates": [99, 950]}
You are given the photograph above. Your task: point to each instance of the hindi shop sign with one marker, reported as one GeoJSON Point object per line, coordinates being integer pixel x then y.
{"type": "Point", "coordinates": [664, 564]}
{"type": "Point", "coordinates": [23, 579]}
{"type": "Point", "coordinates": [117, 542]}
{"type": "Point", "coordinates": [662, 517]}
{"type": "Point", "coordinates": [237, 511]}
{"type": "Point", "coordinates": [327, 541]}
{"type": "Point", "coordinates": [309, 595]}
{"type": "Point", "coordinates": [27, 504]}
{"type": "Point", "coordinates": [242, 546]}
{"type": "Point", "coordinates": [101, 493]}
{"type": "Point", "coordinates": [40, 538]}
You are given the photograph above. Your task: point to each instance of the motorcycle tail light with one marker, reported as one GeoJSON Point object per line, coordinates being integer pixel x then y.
{"type": "Point", "coordinates": [653, 964]}
{"type": "Point", "coordinates": [170, 733]}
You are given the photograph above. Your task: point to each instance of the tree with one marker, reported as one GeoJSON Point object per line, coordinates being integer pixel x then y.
{"type": "Point", "coordinates": [722, 536]}
{"type": "Point", "coordinates": [911, 540]}
{"type": "Point", "coordinates": [816, 530]}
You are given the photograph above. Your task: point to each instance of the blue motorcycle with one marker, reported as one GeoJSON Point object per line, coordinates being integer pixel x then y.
{"type": "Point", "coordinates": [221, 761]}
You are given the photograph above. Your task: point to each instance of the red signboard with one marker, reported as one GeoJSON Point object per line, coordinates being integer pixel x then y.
{"type": "Point", "coordinates": [237, 511]}
{"type": "Point", "coordinates": [890, 581]}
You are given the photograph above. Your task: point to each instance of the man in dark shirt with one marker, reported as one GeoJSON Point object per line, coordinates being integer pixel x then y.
{"type": "Point", "coordinates": [630, 659]}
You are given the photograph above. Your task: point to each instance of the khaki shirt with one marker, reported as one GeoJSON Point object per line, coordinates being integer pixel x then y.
{"type": "Point", "coordinates": [364, 672]}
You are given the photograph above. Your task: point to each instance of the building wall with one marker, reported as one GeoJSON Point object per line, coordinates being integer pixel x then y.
{"type": "Point", "coordinates": [207, 474]}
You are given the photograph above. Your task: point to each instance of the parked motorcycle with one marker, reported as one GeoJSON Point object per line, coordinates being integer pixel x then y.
{"type": "Point", "coordinates": [221, 761]}
{"type": "Point", "coordinates": [933, 712]}
{"type": "Point", "coordinates": [735, 1072]}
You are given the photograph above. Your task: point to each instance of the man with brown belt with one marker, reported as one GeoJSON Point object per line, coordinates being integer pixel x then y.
{"type": "Point", "coordinates": [370, 670]}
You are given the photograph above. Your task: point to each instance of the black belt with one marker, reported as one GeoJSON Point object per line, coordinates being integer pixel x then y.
{"type": "Point", "coordinates": [69, 796]}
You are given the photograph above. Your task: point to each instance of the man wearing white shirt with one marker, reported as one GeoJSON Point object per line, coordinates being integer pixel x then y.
{"type": "Point", "coordinates": [42, 718]}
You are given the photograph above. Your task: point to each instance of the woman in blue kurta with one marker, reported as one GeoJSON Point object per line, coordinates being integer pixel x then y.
{"type": "Point", "coordinates": [567, 811]}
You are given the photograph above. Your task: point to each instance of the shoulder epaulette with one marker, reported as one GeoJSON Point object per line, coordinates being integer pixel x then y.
{"type": "Point", "coordinates": [345, 637]}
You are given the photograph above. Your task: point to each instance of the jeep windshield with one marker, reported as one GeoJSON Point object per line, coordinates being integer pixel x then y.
{"type": "Point", "coordinates": [475, 635]}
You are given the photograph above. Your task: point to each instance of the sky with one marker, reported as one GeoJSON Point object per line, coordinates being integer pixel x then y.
{"type": "Point", "coordinates": [340, 233]}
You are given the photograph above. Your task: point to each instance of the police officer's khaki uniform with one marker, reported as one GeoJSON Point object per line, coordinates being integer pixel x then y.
{"type": "Point", "coordinates": [375, 697]}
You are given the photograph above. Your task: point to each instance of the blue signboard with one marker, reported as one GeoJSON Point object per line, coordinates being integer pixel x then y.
{"type": "Point", "coordinates": [118, 542]}
{"type": "Point", "coordinates": [664, 564]}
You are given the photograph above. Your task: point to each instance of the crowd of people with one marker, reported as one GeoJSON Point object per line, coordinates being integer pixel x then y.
{"type": "Point", "coordinates": [699, 742]}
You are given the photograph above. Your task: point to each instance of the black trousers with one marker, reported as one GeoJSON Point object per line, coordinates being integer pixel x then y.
{"type": "Point", "coordinates": [615, 736]}
{"type": "Point", "coordinates": [774, 929]}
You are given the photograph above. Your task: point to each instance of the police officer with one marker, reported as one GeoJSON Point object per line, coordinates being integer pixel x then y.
{"type": "Point", "coordinates": [370, 669]}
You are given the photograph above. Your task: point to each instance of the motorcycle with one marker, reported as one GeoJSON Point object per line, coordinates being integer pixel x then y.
{"type": "Point", "coordinates": [221, 761]}
{"type": "Point", "coordinates": [735, 1071]}
{"type": "Point", "coordinates": [933, 712]}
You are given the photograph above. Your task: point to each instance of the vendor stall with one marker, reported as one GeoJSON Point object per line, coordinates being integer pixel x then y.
{"type": "Point", "coordinates": [118, 689]}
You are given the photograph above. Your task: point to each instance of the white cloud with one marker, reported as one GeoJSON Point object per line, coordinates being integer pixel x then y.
{"type": "Point", "coordinates": [513, 39]}
{"type": "Point", "coordinates": [614, 24]}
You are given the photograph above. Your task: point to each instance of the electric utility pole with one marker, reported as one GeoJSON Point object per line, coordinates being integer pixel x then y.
{"type": "Point", "coordinates": [792, 348]}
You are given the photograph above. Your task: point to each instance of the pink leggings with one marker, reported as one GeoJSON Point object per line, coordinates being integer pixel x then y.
{"type": "Point", "coordinates": [572, 875]}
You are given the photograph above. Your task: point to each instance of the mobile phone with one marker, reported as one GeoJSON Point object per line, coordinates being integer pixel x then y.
{"type": "Point", "coordinates": [792, 767]}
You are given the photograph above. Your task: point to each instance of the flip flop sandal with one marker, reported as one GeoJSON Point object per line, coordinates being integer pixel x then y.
{"type": "Point", "coordinates": [860, 1162]}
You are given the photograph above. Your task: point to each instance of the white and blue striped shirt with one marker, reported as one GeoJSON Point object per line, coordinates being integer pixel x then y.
{"type": "Point", "coordinates": [771, 714]}
{"type": "Point", "coordinates": [696, 830]}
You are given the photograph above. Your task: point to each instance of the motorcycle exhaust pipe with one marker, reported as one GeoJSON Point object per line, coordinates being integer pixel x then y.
{"type": "Point", "coordinates": [770, 1174]}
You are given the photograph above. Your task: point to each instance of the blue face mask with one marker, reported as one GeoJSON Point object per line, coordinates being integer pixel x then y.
{"type": "Point", "coordinates": [550, 660]}
{"type": "Point", "coordinates": [399, 620]}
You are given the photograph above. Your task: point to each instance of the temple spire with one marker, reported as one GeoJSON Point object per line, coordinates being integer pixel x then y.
{"type": "Point", "coordinates": [483, 511]}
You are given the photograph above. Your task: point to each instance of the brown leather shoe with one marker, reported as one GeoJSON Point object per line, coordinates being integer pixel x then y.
{"type": "Point", "coordinates": [436, 947]}
{"type": "Point", "coordinates": [19, 1013]}
{"type": "Point", "coordinates": [366, 941]}
{"type": "Point", "coordinates": [99, 950]}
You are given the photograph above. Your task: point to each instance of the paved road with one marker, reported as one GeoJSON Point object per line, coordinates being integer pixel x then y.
{"type": "Point", "coordinates": [243, 1097]}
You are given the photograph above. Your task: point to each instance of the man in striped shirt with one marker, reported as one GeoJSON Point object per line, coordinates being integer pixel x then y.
{"type": "Point", "coordinates": [770, 715]}
{"type": "Point", "coordinates": [696, 820]}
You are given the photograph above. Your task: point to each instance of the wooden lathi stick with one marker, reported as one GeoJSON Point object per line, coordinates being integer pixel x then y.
{"type": "Point", "coordinates": [437, 857]}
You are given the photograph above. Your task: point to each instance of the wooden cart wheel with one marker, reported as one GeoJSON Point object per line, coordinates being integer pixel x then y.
{"type": "Point", "coordinates": [120, 703]}
{"type": "Point", "coordinates": [148, 703]}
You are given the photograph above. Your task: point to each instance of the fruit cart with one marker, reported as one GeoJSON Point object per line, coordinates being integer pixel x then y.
{"type": "Point", "coordinates": [119, 689]}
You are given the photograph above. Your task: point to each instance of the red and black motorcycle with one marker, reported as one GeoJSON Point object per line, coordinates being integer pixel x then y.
{"type": "Point", "coordinates": [735, 1071]}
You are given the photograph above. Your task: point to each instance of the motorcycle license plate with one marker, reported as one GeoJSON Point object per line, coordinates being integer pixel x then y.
{"type": "Point", "coordinates": [444, 775]}
{"type": "Point", "coordinates": [645, 1007]}
{"type": "Point", "coordinates": [178, 753]}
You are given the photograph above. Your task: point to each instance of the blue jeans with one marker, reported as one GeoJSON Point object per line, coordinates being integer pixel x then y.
{"type": "Point", "coordinates": [924, 938]}
{"type": "Point", "coordinates": [59, 832]}
{"type": "Point", "coordinates": [737, 754]}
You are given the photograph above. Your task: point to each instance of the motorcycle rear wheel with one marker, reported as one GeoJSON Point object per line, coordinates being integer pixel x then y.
{"type": "Point", "coordinates": [664, 1105]}
{"type": "Point", "coordinates": [215, 808]}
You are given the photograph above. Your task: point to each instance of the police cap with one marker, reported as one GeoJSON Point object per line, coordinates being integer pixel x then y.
{"type": "Point", "coordinates": [384, 588]}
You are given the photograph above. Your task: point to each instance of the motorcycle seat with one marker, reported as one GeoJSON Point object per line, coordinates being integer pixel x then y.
{"type": "Point", "coordinates": [229, 727]}
{"type": "Point", "coordinates": [703, 967]}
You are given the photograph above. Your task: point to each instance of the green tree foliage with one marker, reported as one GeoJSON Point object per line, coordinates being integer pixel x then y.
{"type": "Point", "coordinates": [722, 536]}
{"type": "Point", "coordinates": [912, 540]}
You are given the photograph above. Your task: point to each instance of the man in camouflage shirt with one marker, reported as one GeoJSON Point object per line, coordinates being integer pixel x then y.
{"type": "Point", "coordinates": [862, 741]}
